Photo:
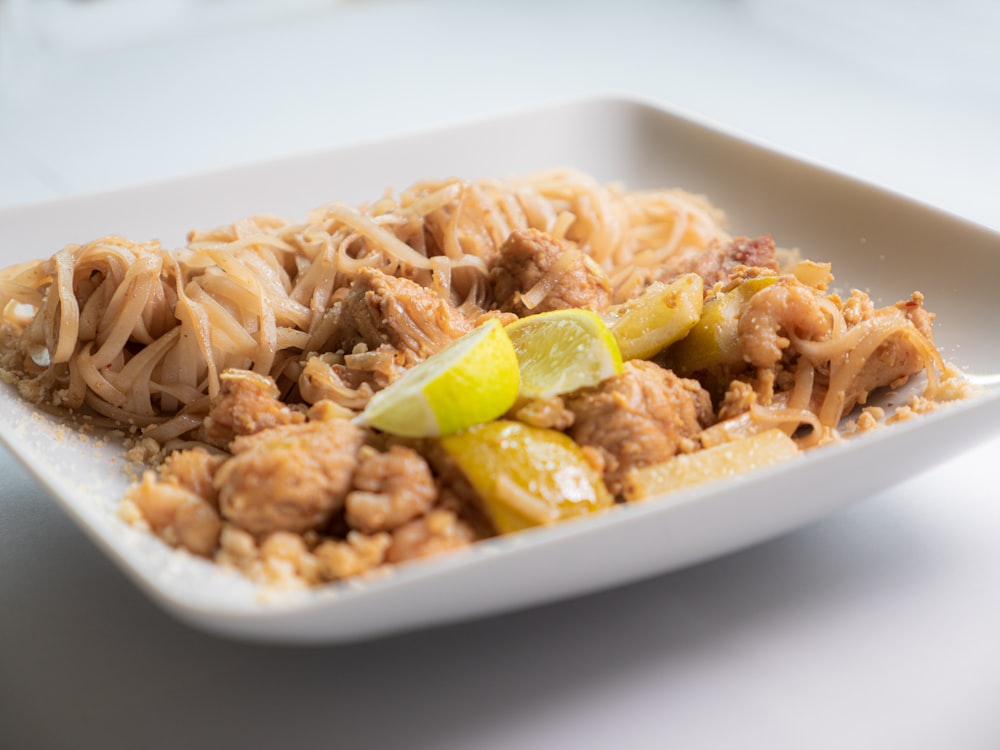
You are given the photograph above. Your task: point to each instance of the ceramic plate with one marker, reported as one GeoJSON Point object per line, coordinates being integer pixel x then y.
{"type": "Point", "coordinates": [877, 241]}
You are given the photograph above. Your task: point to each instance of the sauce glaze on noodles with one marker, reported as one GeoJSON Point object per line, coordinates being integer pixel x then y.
{"type": "Point", "coordinates": [140, 334]}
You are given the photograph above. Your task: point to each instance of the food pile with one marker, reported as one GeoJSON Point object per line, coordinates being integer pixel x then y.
{"type": "Point", "coordinates": [318, 401]}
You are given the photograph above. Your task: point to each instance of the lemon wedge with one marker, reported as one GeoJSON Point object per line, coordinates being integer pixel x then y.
{"type": "Point", "coordinates": [475, 379]}
{"type": "Point", "coordinates": [562, 350]}
{"type": "Point", "coordinates": [526, 476]}
{"type": "Point", "coordinates": [646, 325]}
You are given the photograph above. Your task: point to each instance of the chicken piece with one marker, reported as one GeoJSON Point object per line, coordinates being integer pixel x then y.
{"type": "Point", "coordinates": [287, 562]}
{"type": "Point", "coordinates": [644, 416]}
{"type": "Point", "coordinates": [176, 514]}
{"type": "Point", "coordinates": [535, 273]}
{"type": "Point", "coordinates": [390, 489]}
{"type": "Point", "coordinates": [194, 470]}
{"type": "Point", "coordinates": [357, 554]}
{"type": "Point", "coordinates": [247, 403]}
{"type": "Point", "coordinates": [387, 310]}
{"type": "Point", "coordinates": [719, 261]}
{"type": "Point", "coordinates": [439, 531]}
{"type": "Point", "coordinates": [550, 413]}
{"type": "Point", "coordinates": [288, 478]}
{"type": "Point", "coordinates": [896, 358]}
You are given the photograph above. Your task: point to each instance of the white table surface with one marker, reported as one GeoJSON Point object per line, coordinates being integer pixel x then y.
{"type": "Point", "coordinates": [876, 628]}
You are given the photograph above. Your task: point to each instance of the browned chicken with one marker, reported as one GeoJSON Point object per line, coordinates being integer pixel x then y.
{"type": "Point", "coordinates": [247, 403]}
{"type": "Point", "coordinates": [390, 489]}
{"type": "Point", "coordinates": [176, 514]}
{"type": "Point", "coordinates": [717, 261]}
{"type": "Point", "coordinates": [644, 416]}
{"type": "Point", "coordinates": [896, 358]}
{"type": "Point", "coordinates": [194, 470]}
{"type": "Point", "coordinates": [439, 531]}
{"type": "Point", "coordinates": [384, 310]}
{"type": "Point", "coordinates": [535, 273]}
{"type": "Point", "coordinates": [289, 478]}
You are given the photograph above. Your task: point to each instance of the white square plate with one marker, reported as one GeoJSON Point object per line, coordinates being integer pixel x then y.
{"type": "Point", "coordinates": [878, 241]}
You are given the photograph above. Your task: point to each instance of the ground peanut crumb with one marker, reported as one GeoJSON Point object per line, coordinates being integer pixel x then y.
{"type": "Point", "coordinates": [142, 451]}
{"type": "Point", "coordinates": [903, 414]}
{"type": "Point", "coordinates": [871, 418]}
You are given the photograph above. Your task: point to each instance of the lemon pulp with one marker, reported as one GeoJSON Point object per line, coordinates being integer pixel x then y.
{"type": "Point", "coordinates": [563, 350]}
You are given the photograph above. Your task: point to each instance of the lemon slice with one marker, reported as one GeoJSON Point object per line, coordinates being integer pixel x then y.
{"type": "Point", "coordinates": [526, 476]}
{"type": "Point", "coordinates": [648, 324]}
{"type": "Point", "coordinates": [473, 380]}
{"type": "Point", "coordinates": [562, 350]}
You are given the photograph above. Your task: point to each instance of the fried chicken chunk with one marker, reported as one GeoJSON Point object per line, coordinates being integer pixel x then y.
{"type": "Point", "coordinates": [194, 470]}
{"type": "Point", "coordinates": [719, 260]}
{"type": "Point", "coordinates": [390, 489]}
{"type": "Point", "coordinates": [897, 357]}
{"type": "Point", "coordinates": [439, 531]}
{"type": "Point", "coordinates": [176, 514]}
{"type": "Point", "coordinates": [247, 403]}
{"type": "Point", "coordinates": [535, 273]}
{"type": "Point", "coordinates": [384, 310]}
{"type": "Point", "coordinates": [289, 478]}
{"type": "Point", "coordinates": [644, 416]}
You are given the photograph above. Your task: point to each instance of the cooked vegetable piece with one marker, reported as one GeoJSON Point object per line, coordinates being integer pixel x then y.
{"type": "Point", "coordinates": [648, 324]}
{"type": "Point", "coordinates": [721, 461]}
{"type": "Point", "coordinates": [712, 341]}
{"type": "Point", "coordinates": [526, 476]}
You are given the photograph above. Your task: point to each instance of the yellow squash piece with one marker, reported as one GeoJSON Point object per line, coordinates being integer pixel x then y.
{"type": "Point", "coordinates": [646, 325]}
{"type": "Point", "coordinates": [713, 341]}
{"type": "Point", "coordinates": [721, 461]}
{"type": "Point", "coordinates": [526, 476]}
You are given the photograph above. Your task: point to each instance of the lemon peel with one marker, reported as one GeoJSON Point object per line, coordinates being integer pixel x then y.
{"type": "Point", "coordinates": [473, 380]}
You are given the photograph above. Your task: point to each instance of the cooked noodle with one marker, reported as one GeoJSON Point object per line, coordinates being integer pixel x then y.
{"type": "Point", "coordinates": [139, 333]}
{"type": "Point", "coordinates": [247, 354]}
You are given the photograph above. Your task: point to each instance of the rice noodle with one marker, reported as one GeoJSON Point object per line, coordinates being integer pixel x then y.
{"type": "Point", "coordinates": [140, 334]}
{"type": "Point", "coordinates": [137, 332]}
{"type": "Point", "coordinates": [849, 352]}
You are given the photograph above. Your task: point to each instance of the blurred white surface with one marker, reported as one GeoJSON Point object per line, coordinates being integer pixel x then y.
{"type": "Point", "coordinates": [873, 629]}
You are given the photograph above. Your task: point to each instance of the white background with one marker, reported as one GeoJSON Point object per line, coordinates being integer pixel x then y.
{"type": "Point", "coordinates": [876, 628]}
